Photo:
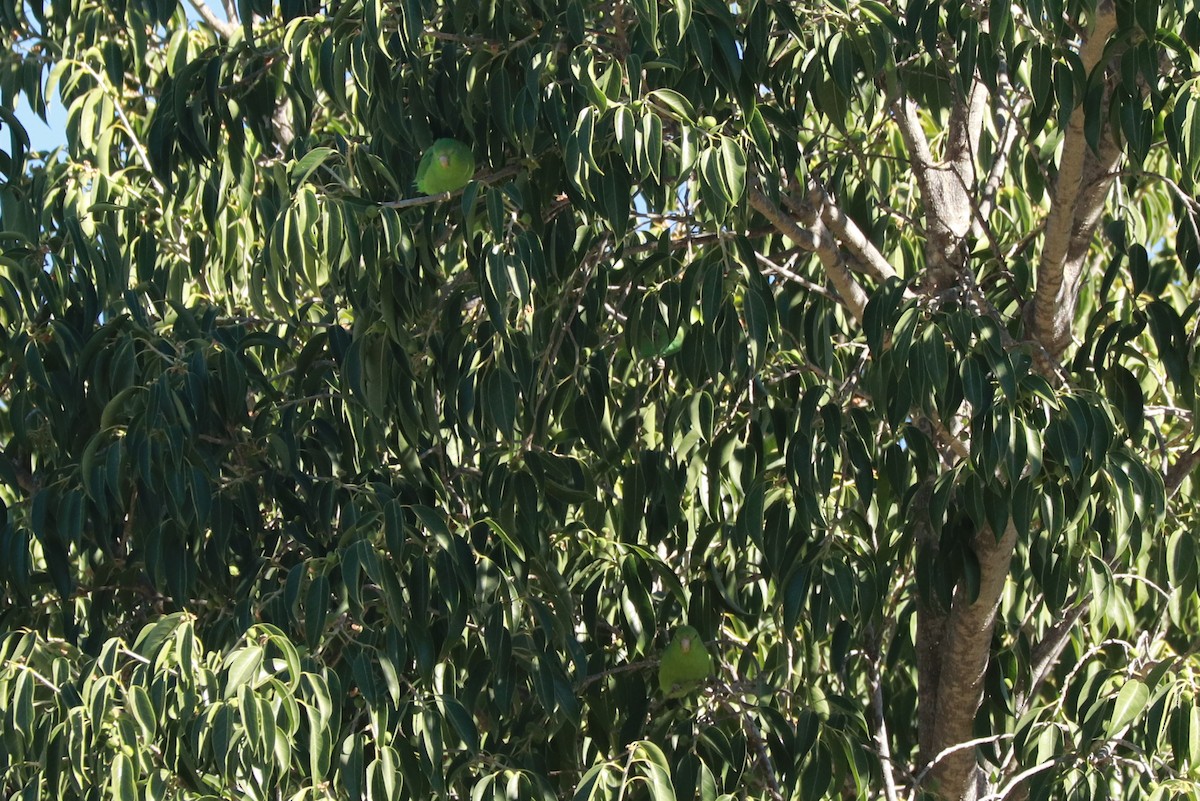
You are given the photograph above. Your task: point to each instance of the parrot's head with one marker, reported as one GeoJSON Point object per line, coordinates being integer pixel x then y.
{"type": "Point", "coordinates": [687, 637]}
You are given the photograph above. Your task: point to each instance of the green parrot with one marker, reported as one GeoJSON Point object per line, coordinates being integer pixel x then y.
{"type": "Point", "coordinates": [446, 166]}
{"type": "Point", "coordinates": [685, 663]}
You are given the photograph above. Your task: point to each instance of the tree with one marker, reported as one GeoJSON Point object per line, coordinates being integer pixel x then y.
{"type": "Point", "coordinates": [859, 336]}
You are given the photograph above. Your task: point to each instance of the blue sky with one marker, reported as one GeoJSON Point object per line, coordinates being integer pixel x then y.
{"type": "Point", "coordinates": [45, 135]}
{"type": "Point", "coordinates": [53, 133]}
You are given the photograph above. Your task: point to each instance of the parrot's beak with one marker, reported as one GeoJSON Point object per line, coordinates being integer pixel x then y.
{"type": "Point", "coordinates": [445, 160]}
{"type": "Point", "coordinates": [685, 644]}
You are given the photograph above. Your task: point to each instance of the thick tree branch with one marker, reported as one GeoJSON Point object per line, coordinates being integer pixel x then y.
{"type": "Point", "coordinates": [224, 29]}
{"type": "Point", "coordinates": [1097, 181]}
{"type": "Point", "coordinates": [964, 654]}
{"type": "Point", "coordinates": [965, 130]}
{"type": "Point", "coordinates": [936, 431]}
{"type": "Point", "coordinates": [1046, 653]}
{"type": "Point", "coordinates": [931, 629]}
{"type": "Point", "coordinates": [817, 239]}
{"type": "Point", "coordinates": [1083, 181]}
{"type": "Point", "coordinates": [867, 258]}
{"type": "Point", "coordinates": [1179, 471]}
{"type": "Point", "coordinates": [850, 235]}
{"type": "Point", "coordinates": [908, 119]}
{"type": "Point", "coordinates": [944, 186]}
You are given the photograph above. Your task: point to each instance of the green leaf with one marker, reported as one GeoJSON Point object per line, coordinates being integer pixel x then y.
{"type": "Point", "coordinates": [310, 163]}
{"type": "Point", "coordinates": [675, 103]}
{"type": "Point", "coordinates": [658, 771]}
{"type": "Point", "coordinates": [508, 540]}
{"type": "Point", "coordinates": [733, 169]}
{"type": "Point", "coordinates": [647, 13]}
{"type": "Point", "coordinates": [243, 667]}
{"type": "Point", "coordinates": [124, 779]}
{"type": "Point", "coordinates": [461, 721]}
{"type": "Point", "coordinates": [143, 711]}
{"type": "Point", "coordinates": [683, 10]}
{"type": "Point", "coordinates": [1126, 391]}
{"type": "Point", "coordinates": [1130, 703]}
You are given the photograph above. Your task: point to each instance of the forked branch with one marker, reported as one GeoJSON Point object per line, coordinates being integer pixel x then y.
{"type": "Point", "coordinates": [816, 238]}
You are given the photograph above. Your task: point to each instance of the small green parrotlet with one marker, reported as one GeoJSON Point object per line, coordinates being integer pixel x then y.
{"type": "Point", "coordinates": [685, 663]}
{"type": "Point", "coordinates": [445, 167]}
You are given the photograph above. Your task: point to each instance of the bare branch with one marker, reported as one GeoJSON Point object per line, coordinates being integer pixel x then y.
{"type": "Point", "coordinates": [817, 239]}
{"type": "Point", "coordinates": [1022, 776]}
{"type": "Point", "coordinates": [945, 437]}
{"type": "Point", "coordinates": [1047, 365]}
{"type": "Point", "coordinates": [115, 96]}
{"type": "Point", "coordinates": [948, 204]}
{"type": "Point", "coordinates": [1098, 178]}
{"type": "Point", "coordinates": [957, 748]}
{"type": "Point", "coordinates": [850, 235]}
{"type": "Point", "coordinates": [783, 272]}
{"type": "Point", "coordinates": [965, 130]}
{"type": "Point", "coordinates": [1079, 194]}
{"type": "Point", "coordinates": [1008, 137]}
{"type": "Point", "coordinates": [881, 733]}
{"type": "Point", "coordinates": [1046, 653]}
{"type": "Point", "coordinates": [908, 119]}
{"type": "Point", "coordinates": [428, 200]}
{"type": "Point", "coordinates": [759, 744]}
{"type": "Point", "coordinates": [224, 29]}
{"type": "Point", "coordinates": [867, 258]}
{"type": "Point", "coordinates": [646, 664]}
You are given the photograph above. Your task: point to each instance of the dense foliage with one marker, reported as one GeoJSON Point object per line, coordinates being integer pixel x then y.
{"type": "Point", "coordinates": [858, 335]}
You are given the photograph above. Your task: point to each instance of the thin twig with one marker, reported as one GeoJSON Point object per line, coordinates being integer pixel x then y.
{"type": "Point", "coordinates": [429, 200]}
{"type": "Point", "coordinates": [115, 97]}
{"type": "Point", "coordinates": [629, 667]}
{"type": "Point", "coordinates": [946, 752]}
{"type": "Point", "coordinates": [1007, 138]}
{"type": "Point", "coordinates": [754, 735]}
{"type": "Point", "coordinates": [881, 734]}
{"type": "Point", "coordinates": [1020, 777]}
{"type": "Point", "coordinates": [796, 278]}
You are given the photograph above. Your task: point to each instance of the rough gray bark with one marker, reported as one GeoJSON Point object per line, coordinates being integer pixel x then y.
{"type": "Point", "coordinates": [948, 188]}
{"type": "Point", "coordinates": [951, 687]}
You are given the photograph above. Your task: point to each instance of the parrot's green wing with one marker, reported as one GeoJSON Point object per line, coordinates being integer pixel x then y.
{"type": "Point", "coordinates": [685, 663]}
{"type": "Point", "coordinates": [447, 166]}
